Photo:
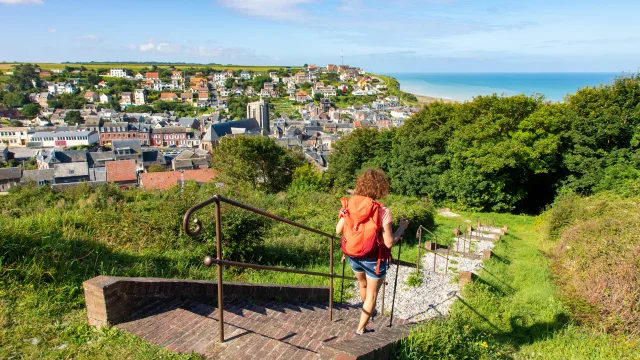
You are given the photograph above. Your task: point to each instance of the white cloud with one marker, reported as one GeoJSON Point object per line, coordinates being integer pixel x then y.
{"type": "Point", "coordinates": [89, 38]}
{"type": "Point", "coordinates": [22, 2]}
{"type": "Point", "coordinates": [147, 47]}
{"type": "Point", "coordinates": [201, 50]}
{"type": "Point", "coordinates": [52, 30]}
{"type": "Point", "coordinates": [271, 9]}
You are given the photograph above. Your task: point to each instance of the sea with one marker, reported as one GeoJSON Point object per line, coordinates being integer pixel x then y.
{"type": "Point", "coordinates": [465, 86]}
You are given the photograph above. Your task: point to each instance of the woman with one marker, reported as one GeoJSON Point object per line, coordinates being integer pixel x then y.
{"type": "Point", "coordinates": [368, 258]}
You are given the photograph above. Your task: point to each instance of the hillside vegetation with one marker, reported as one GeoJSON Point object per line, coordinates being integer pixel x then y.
{"type": "Point", "coordinates": [506, 153]}
{"type": "Point", "coordinates": [51, 242]}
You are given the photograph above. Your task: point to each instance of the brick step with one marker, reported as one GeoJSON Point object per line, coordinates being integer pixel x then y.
{"type": "Point", "coordinates": [252, 330]}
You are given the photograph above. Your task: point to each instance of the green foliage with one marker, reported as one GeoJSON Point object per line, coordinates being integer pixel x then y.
{"type": "Point", "coordinates": [14, 99]}
{"type": "Point", "coordinates": [507, 153]}
{"type": "Point", "coordinates": [30, 110]}
{"type": "Point", "coordinates": [156, 168]}
{"type": "Point", "coordinates": [73, 118]}
{"type": "Point", "coordinates": [596, 259]}
{"type": "Point", "coordinates": [24, 77]}
{"type": "Point", "coordinates": [258, 82]}
{"type": "Point", "coordinates": [361, 149]}
{"type": "Point", "coordinates": [414, 279]}
{"type": "Point", "coordinates": [257, 161]}
{"type": "Point", "coordinates": [237, 106]}
{"type": "Point", "coordinates": [67, 101]}
{"type": "Point", "coordinates": [306, 179]}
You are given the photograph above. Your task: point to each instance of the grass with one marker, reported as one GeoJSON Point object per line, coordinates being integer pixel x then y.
{"type": "Point", "coordinates": [51, 243]}
{"type": "Point", "coordinates": [513, 310]}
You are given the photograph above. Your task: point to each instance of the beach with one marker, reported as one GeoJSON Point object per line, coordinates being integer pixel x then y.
{"type": "Point", "coordinates": [423, 99]}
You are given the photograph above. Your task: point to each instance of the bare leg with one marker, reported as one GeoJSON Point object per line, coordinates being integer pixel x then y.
{"type": "Point", "coordinates": [362, 285]}
{"type": "Point", "coordinates": [369, 303]}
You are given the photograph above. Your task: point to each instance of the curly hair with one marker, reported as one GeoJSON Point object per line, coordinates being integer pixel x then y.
{"type": "Point", "coordinates": [372, 183]}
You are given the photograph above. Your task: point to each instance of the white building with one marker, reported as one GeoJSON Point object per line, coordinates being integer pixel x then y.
{"type": "Point", "coordinates": [118, 72]}
{"type": "Point", "coordinates": [105, 98]}
{"type": "Point", "coordinates": [64, 138]}
{"type": "Point", "coordinates": [14, 136]}
{"type": "Point", "coordinates": [61, 88]}
{"type": "Point", "coordinates": [139, 96]}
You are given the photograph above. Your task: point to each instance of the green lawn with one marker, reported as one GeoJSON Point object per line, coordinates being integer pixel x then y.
{"type": "Point", "coordinates": [512, 310]}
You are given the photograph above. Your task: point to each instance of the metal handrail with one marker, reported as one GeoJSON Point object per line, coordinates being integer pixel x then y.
{"type": "Point", "coordinates": [435, 251]}
{"type": "Point", "coordinates": [217, 200]}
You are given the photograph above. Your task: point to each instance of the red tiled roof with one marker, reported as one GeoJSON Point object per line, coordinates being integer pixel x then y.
{"type": "Point", "coordinates": [168, 96]}
{"type": "Point", "coordinates": [152, 75]}
{"type": "Point", "coordinates": [122, 170]}
{"type": "Point", "coordinates": [166, 180]}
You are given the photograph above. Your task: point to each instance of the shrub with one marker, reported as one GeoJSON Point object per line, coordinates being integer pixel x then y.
{"type": "Point", "coordinates": [597, 259]}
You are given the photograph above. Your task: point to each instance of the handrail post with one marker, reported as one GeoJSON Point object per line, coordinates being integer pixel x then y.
{"type": "Point", "coordinates": [331, 279]}
{"type": "Point", "coordinates": [419, 241]}
{"type": "Point", "coordinates": [219, 257]}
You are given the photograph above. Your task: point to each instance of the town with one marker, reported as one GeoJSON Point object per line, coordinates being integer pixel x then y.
{"type": "Point", "coordinates": [157, 127]}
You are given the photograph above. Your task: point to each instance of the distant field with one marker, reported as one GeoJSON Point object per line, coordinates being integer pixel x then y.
{"type": "Point", "coordinates": [4, 78]}
{"type": "Point", "coordinates": [53, 66]}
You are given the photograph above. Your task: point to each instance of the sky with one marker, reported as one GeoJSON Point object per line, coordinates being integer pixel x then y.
{"type": "Point", "coordinates": [377, 35]}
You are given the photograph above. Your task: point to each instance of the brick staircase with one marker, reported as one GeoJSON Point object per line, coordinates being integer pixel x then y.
{"type": "Point", "coordinates": [261, 321]}
{"type": "Point", "coordinates": [262, 330]}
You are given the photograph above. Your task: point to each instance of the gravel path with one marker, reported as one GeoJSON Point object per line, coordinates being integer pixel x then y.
{"type": "Point", "coordinates": [437, 291]}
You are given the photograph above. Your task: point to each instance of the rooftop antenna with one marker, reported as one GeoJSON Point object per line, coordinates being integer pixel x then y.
{"type": "Point", "coordinates": [342, 56]}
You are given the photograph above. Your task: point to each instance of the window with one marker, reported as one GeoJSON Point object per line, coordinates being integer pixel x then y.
{"type": "Point", "coordinates": [71, 172]}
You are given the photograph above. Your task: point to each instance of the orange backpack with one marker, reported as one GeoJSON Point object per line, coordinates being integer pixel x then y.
{"type": "Point", "coordinates": [362, 231]}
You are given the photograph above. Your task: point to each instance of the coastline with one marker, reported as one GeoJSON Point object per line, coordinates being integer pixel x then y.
{"type": "Point", "coordinates": [425, 99]}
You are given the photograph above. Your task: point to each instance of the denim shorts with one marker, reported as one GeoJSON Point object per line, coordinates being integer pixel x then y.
{"type": "Point", "coordinates": [368, 266]}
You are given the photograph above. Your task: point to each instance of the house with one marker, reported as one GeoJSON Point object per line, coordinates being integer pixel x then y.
{"type": "Point", "coordinates": [139, 76]}
{"type": "Point", "coordinates": [64, 138]}
{"type": "Point", "coordinates": [90, 96]}
{"type": "Point", "coordinates": [41, 98]}
{"type": "Point", "coordinates": [69, 166]}
{"type": "Point", "coordinates": [187, 98]}
{"type": "Point", "coordinates": [168, 96]}
{"type": "Point", "coordinates": [111, 131]}
{"type": "Point", "coordinates": [301, 96]}
{"type": "Point", "coordinates": [60, 88]}
{"type": "Point", "coordinates": [4, 153]}
{"type": "Point", "coordinates": [245, 75]}
{"type": "Point", "coordinates": [102, 84]}
{"type": "Point", "coordinates": [189, 160]}
{"type": "Point", "coordinates": [126, 99]}
{"type": "Point", "coordinates": [153, 157]}
{"type": "Point", "coordinates": [302, 77]}
{"type": "Point", "coordinates": [215, 132]}
{"type": "Point", "coordinates": [169, 136]}
{"type": "Point", "coordinates": [105, 98]}
{"type": "Point", "coordinates": [122, 172]}
{"type": "Point", "coordinates": [39, 177]}
{"type": "Point", "coordinates": [203, 96]}
{"type": "Point", "coordinates": [189, 123]}
{"type": "Point", "coordinates": [139, 96]}
{"type": "Point", "coordinates": [176, 75]}
{"type": "Point", "coordinates": [9, 177]}
{"type": "Point", "coordinates": [399, 114]}
{"type": "Point", "coordinates": [128, 150]}
{"type": "Point", "coordinates": [268, 86]}
{"type": "Point", "coordinates": [168, 179]}
{"type": "Point", "coordinates": [118, 72]}
{"type": "Point", "coordinates": [154, 76]}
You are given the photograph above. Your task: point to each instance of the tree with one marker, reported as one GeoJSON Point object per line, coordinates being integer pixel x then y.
{"type": "Point", "coordinates": [257, 162]}
{"type": "Point", "coordinates": [229, 82]}
{"type": "Point", "coordinates": [16, 123]}
{"type": "Point", "coordinates": [73, 118]}
{"type": "Point", "coordinates": [14, 99]}
{"type": "Point", "coordinates": [30, 110]}
{"type": "Point", "coordinates": [258, 82]}
{"type": "Point", "coordinates": [24, 76]}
